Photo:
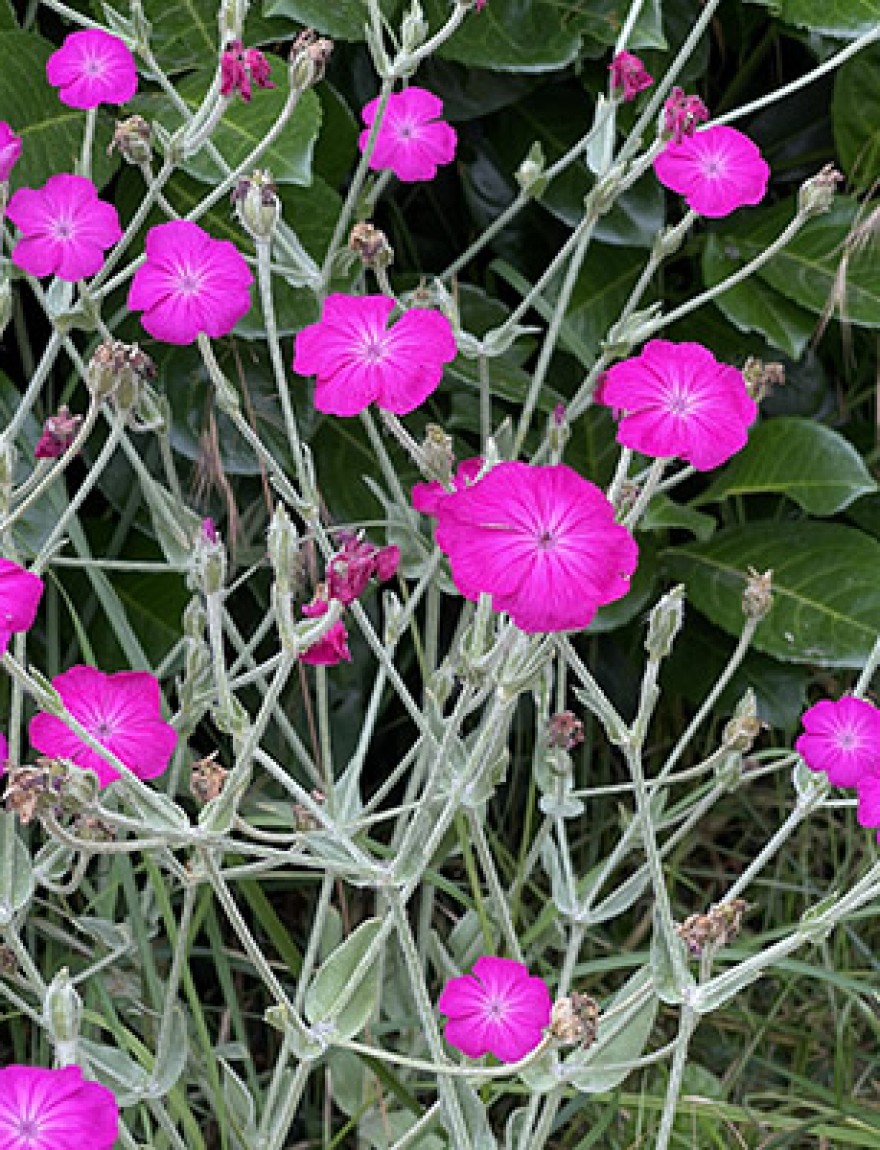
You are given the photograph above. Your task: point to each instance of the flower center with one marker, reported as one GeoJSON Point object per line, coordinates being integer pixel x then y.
{"type": "Point", "coordinates": [848, 739]}
{"type": "Point", "coordinates": [496, 1009]}
{"type": "Point", "coordinates": [103, 729]}
{"type": "Point", "coordinates": [27, 1130]}
{"type": "Point", "coordinates": [712, 167]}
{"type": "Point", "coordinates": [93, 66]}
{"type": "Point", "coordinates": [189, 281]}
{"type": "Point", "coordinates": [407, 130]}
{"type": "Point", "coordinates": [373, 350]}
{"type": "Point", "coordinates": [63, 228]}
{"type": "Point", "coordinates": [546, 540]}
{"type": "Point", "coordinates": [679, 402]}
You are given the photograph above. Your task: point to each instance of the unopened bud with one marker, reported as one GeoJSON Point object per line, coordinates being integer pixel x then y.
{"type": "Point", "coordinates": [308, 60]}
{"type": "Point", "coordinates": [5, 300]}
{"type": "Point", "coordinates": [437, 454]}
{"type": "Point", "coordinates": [62, 1009]}
{"type": "Point", "coordinates": [757, 598]}
{"type": "Point", "coordinates": [209, 559]}
{"type": "Point", "coordinates": [745, 726]}
{"type": "Point", "coordinates": [256, 203]}
{"type": "Point", "coordinates": [282, 542]}
{"type": "Point", "coordinates": [816, 195]}
{"type": "Point", "coordinates": [559, 429]}
{"type": "Point", "coordinates": [575, 1019]}
{"type": "Point", "coordinates": [413, 29]}
{"type": "Point", "coordinates": [194, 620]}
{"type": "Point", "coordinates": [565, 731]}
{"type": "Point", "coordinates": [371, 246]}
{"type": "Point", "coordinates": [133, 139]}
{"type": "Point", "coordinates": [665, 623]}
{"type": "Point", "coordinates": [530, 174]}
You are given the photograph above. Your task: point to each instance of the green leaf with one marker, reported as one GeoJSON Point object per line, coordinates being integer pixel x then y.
{"type": "Point", "coordinates": [663, 513]}
{"type": "Point", "coordinates": [629, 1033]}
{"type": "Point", "coordinates": [600, 20]}
{"type": "Point", "coordinates": [754, 305]}
{"type": "Point", "coordinates": [806, 461]}
{"type": "Point", "coordinates": [806, 271]}
{"type": "Point", "coordinates": [509, 36]}
{"type": "Point", "coordinates": [51, 133]}
{"type": "Point", "coordinates": [856, 117]}
{"type": "Point", "coordinates": [187, 35]}
{"type": "Point", "coordinates": [826, 595]}
{"type": "Point", "coordinates": [334, 979]}
{"type": "Point", "coordinates": [342, 19]}
{"type": "Point", "coordinates": [17, 879]}
{"type": "Point", "coordinates": [845, 18]}
{"type": "Point", "coordinates": [7, 16]}
{"type": "Point", "coordinates": [243, 127]}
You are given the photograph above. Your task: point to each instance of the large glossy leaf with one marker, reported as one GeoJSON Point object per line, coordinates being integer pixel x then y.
{"type": "Point", "coordinates": [811, 464]}
{"type": "Point", "coordinates": [509, 36]}
{"type": "Point", "coordinates": [754, 305]}
{"type": "Point", "coordinates": [51, 133]}
{"type": "Point", "coordinates": [831, 17]}
{"type": "Point", "coordinates": [806, 271]}
{"type": "Point", "coordinates": [342, 19]}
{"type": "Point", "coordinates": [186, 34]}
{"type": "Point", "coordinates": [600, 21]}
{"type": "Point", "coordinates": [826, 593]}
{"type": "Point", "coordinates": [244, 125]}
{"type": "Point", "coordinates": [856, 112]}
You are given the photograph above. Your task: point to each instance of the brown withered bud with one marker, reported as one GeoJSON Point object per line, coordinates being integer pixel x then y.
{"type": "Point", "coordinates": [309, 57]}
{"type": "Point", "coordinates": [256, 203]}
{"type": "Point", "coordinates": [758, 596]}
{"type": "Point", "coordinates": [303, 819]}
{"type": "Point", "coordinates": [718, 927]}
{"type": "Point", "coordinates": [438, 454]}
{"type": "Point", "coordinates": [117, 369]}
{"type": "Point", "coordinates": [575, 1019]}
{"type": "Point", "coordinates": [565, 731]}
{"type": "Point", "coordinates": [31, 790]}
{"type": "Point", "coordinates": [371, 246]}
{"type": "Point", "coordinates": [133, 139]}
{"type": "Point", "coordinates": [208, 779]}
{"type": "Point", "coordinates": [93, 829]}
{"type": "Point", "coordinates": [8, 962]}
{"type": "Point", "coordinates": [761, 378]}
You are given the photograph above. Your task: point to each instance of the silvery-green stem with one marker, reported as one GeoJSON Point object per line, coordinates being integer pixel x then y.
{"type": "Point", "coordinates": [175, 974]}
{"type": "Point", "coordinates": [277, 1136]}
{"type": "Point", "coordinates": [687, 1023]}
{"type": "Point", "coordinates": [629, 23]}
{"type": "Point", "coordinates": [620, 474]}
{"type": "Point", "coordinates": [32, 392]}
{"type": "Point", "coordinates": [85, 163]}
{"type": "Point", "coordinates": [499, 898]}
{"type": "Point", "coordinates": [264, 278]}
{"type": "Point", "coordinates": [154, 186]}
{"type": "Point", "coordinates": [646, 494]}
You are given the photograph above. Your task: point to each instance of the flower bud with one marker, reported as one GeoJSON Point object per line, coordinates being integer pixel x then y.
{"type": "Point", "coordinates": [284, 552]}
{"type": "Point", "coordinates": [256, 203]}
{"type": "Point", "coordinates": [133, 139]}
{"type": "Point", "coordinates": [565, 731]}
{"type": "Point", "coordinates": [713, 930]}
{"type": "Point", "coordinates": [665, 623]}
{"type": "Point", "coordinates": [414, 28]}
{"type": "Point", "coordinates": [5, 299]}
{"type": "Point", "coordinates": [8, 962]}
{"type": "Point", "coordinates": [559, 429]}
{"type": "Point", "coordinates": [816, 195]}
{"type": "Point", "coordinates": [371, 246]}
{"type": "Point", "coordinates": [62, 1009]}
{"type": "Point", "coordinates": [308, 60]}
{"type": "Point", "coordinates": [437, 454]}
{"type": "Point", "coordinates": [93, 829]}
{"type": "Point", "coordinates": [530, 174]}
{"type": "Point", "coordinates": [208, 779]}
{"type": "Point", "coordinates": [194, 620]}
{"type": "Point", "coordinates": [757, 598]}
{"type": "Point", "coordinates": [745, 726]}
{"type": "Point", "coordinates": [209, 559]}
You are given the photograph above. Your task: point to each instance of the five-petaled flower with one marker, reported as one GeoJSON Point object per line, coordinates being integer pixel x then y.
{"type": "Point", "coordinates": [679, 401]}
{"type": "Point", "coordinates": [500, 1009]}
{"type": "Point", "coordinates": [359, 360]}
{"type": "Point", "coordinates": [10, 150]}
{"type": "Point", "coordinates": [629, 75]}
{"type": "Point", "coordinates": [65, 228]}
{"type": "Point", "coordinates": [92, 67]}
{"type": "Point", "coordinates": [717, 171]}
{"type": "Point", "coordinates": [842, 739]}
{"type": "Point", "coordinates": [20, 594]}
{"type": "Point", "coordinates": [44, 1109]}
{"type": "Point", "coordinates": [190, 283]}
{"type": "Point", "coordinates": [122, 712]}
{"type": "Point", "coordinates": [239, 66]}
{"type": "Point", "coordinates": [541, 541]}
{"type": "Point", "coordinates": [412, 141]}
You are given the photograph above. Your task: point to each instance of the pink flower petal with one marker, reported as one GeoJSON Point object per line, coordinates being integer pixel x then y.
{"type": "Point", "coordinates": [717, 171]}
{"type": "Point", "coordinates": [412, 141]}
{"type": "Point", "coordinates": [92, 67]}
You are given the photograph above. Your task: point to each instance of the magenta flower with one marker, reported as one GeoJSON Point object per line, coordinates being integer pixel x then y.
{"type": "Point", "coordinates": [190, 283]}
{"type": "Point", "coordinates": [92, 67]}
{"type": "Point", "coordinates": [55, 1110]}
{"type": "Point", "coordinates": [541, 541]}
{"type": "Point", "coordinates": [359, 360]}
{"type": "Point", "coordinates": [717, 171]}
{"type": "Point", "coordinates": [351, 568]}
{"type": "Point", "coordinates": [121, 711]}
{"type": "Point", "coordinates": [412, 141]}
{"type": "Point", "coordinates": [499, 1009]}
{"type": "Point", "coordinates": [629, 75]}
{"type": "Point", "coordinates": [65, 227]}
{"type": "Point", "coordinates": [842, 739]}
{"type": "Point", "coordinates": [239, 66]}
{"type": "Point", "coordinates": [426, 497]}
{"type": "Point", "coordinates": [332, 648]}
{"type": "Point", "coordinates": [59, 432]}
{"type": "Point", "coordinates": [10, 150]}
{"type": "Point", "coordinates": [20, 594]}
{"type": "Point", "coordinates": [679, 401]}
{"type": "Point", "coordinates": [682, 114]}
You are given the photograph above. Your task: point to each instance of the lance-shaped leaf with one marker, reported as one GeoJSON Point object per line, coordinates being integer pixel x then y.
{"type": "Point", "coordinates": [328, 1000]}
